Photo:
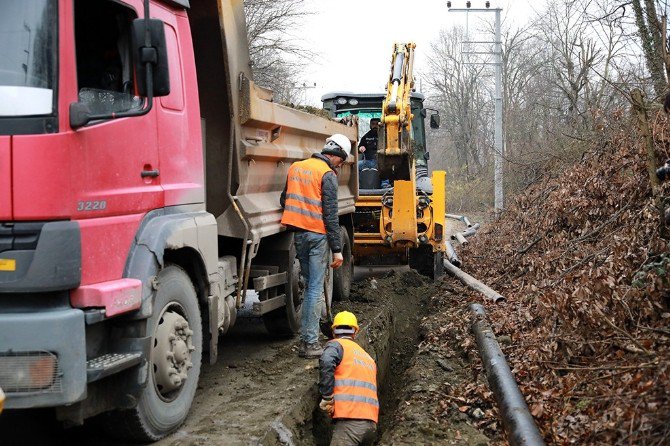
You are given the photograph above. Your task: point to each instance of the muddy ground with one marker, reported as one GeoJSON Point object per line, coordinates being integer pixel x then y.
{"type": "Point", "coordinates": [261, 393]}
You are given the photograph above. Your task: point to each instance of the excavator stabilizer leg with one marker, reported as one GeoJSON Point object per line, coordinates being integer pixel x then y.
{"type": "Point", "coordinates": [404, 213]}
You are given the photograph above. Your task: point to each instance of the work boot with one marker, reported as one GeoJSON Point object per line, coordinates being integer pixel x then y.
{"type": "Point", "coordinates": [313, 351]}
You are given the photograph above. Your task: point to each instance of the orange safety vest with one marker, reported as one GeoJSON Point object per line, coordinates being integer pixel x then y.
{"type": "Point", "coordinates": [355, 394]}
{"type": "Point", "coordinates": [303, 208]}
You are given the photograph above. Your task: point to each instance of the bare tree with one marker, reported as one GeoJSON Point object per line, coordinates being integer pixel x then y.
{"type": "Point", "coordinates": [456, 91]}
{"type": "Point", "coordinates": [651, 33]}
{"type": "Point", "coordinates": [276, 54]}
{"type": "Point", "coordinates": [562, 77]}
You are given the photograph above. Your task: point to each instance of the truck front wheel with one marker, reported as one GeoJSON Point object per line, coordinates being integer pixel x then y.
{"type": "Point", "coordinates": [174, 365]}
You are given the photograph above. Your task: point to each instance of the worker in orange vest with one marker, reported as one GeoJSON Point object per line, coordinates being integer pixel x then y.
{"type": "Point", "coordinates": [311, 211]}
{"type": "Point", "coordinates": [348, 385]}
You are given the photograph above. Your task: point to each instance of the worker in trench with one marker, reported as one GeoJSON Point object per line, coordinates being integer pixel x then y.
{"type": "Point", "coordinates": [348, 385]}
{"type": "Point", "coordinates": [310, 207]}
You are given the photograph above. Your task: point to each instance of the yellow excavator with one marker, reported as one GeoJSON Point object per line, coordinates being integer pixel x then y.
{"type": "Point", "coordinates": [400, 212]}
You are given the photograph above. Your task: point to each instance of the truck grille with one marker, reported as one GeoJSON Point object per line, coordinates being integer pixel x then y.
{"type": "Point", "coordinates": [30, 372]}
{"type": "Point", "coordinates": [19, 236]}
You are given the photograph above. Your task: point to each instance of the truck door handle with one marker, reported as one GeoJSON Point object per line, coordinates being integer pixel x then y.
{"type": "Point", "coordinates": [150, 173]}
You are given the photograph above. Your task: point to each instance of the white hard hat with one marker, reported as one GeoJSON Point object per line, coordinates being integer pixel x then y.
{"type": "Point", "coordinates": [342, 143]}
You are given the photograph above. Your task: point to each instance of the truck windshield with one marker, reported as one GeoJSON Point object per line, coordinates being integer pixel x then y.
{"type": "Point", "coordinates": [27, 57]}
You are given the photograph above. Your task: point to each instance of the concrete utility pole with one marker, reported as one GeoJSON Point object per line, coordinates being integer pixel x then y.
{"type": "Point", "coordinates": [498, 138]}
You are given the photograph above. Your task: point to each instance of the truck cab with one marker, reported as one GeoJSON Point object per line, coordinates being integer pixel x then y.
{"type": "Point", "coordinates": [140, 174]}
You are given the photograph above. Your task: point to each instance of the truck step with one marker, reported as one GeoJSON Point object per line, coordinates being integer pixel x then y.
{"type": "Point", "coordinates": [265, 306]}
{"type": "Point", "coordinates": [105, 365]}
{"type": "Point", "coordinates": [269, 281]}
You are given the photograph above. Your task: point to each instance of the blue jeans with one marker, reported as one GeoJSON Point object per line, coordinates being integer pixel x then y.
{"type": "Point", "coordinates": [312, 251]}
{"type": "Point", "coordinates": [367, 164]}
{"type": "Point", "coordinates": [372, 164]}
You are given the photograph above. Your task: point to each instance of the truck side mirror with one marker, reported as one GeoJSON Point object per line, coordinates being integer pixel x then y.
{"type": "Point", "coordinates": [435, 121]}
{"type": "Point", "coordinates": [80, 114]}
{"type": "Point", "coordinates": [156, 54]}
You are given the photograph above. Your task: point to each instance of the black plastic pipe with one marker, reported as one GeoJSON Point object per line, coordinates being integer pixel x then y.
{"type": "Point", "coordinates": [518, 423]}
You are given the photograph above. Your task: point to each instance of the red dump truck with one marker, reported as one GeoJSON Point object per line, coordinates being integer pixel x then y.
{"type": "Point", "coordinates": [140, 174]}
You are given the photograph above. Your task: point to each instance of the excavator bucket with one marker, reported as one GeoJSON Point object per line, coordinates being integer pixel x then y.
{"type": "Point", "coordinates": [394, 167]}
{"type": "Point", "coordinates": [394, 164]}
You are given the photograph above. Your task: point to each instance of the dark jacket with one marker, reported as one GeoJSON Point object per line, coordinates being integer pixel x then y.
{"type": "Point", "coordinates": [328, 204]}
{"type": "Point", "coordinates": [330, 358]}
{"type": "Point", "coordinates": [369, 141]}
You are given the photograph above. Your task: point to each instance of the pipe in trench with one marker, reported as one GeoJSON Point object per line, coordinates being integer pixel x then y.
{"type": "Point", "coordinates": [460, 237]}
{"type": "Point", "coordinates": [462, 218]}
{"type": "Point", "coordinates": [517, 420]}
{"type": "Point", "coordinates": [454, 217]}
{"type": "Point", "coordinates": [451, 254]}
{"type": "Point", "coordinates": [469, 232]}
{"type": "Point", "coordinates": [473, 283]}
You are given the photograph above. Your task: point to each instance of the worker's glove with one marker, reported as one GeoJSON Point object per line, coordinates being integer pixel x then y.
{"type": "Point", "coordinates": [338, 259]}
{"type": "Point", "coordinates": [327, 405]}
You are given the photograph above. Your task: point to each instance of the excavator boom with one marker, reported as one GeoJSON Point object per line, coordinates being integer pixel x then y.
{"type": "Point", "coordinates": [395, 153]}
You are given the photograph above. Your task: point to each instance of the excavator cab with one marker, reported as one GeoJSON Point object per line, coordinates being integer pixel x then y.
{"type": "Point", "coordinates": [367, 106]}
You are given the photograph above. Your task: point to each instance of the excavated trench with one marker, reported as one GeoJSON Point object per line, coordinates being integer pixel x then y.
{"type": "Point", "coordinates": [390, 308]}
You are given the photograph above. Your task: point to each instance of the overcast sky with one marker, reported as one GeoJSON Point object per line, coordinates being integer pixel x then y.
{"type": "Point", "coordinates": [354, 38]}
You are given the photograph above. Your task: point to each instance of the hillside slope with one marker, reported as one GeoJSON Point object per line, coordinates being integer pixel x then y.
{"type": "Point", "coordinates": [583, 261]}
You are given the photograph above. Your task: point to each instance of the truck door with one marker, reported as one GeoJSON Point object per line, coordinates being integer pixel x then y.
{"type": "Point", "coordinates": [118, 171]}
{"type": "Point", "coordinates": [112, 166]}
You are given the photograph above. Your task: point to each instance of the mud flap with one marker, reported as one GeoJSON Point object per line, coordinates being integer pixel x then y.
{"type": "Point", "coordinates": [213, 306]}
{"type": "Point", "coordinates": [326, 321]}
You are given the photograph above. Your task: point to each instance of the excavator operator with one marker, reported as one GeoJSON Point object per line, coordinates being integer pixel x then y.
{"type": "Point", "coordinates": [368, 146]}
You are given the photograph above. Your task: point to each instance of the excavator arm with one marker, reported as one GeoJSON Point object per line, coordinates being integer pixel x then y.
{"type": "Point", "coordinates": [395, 155]}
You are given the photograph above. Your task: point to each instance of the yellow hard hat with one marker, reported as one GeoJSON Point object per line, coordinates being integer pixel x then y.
{"type": "Point", "coordinates": [345, 319]}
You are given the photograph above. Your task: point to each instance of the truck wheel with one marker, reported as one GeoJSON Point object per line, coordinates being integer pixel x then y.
{"type": "Point", "coordinates": [174, 366]}
{"type": "Point", "coordinates": [426, 262]}
{"type": "Point", "coordinates": [285, 321]}
{"type": "Point", "coordinates": [343, 275]}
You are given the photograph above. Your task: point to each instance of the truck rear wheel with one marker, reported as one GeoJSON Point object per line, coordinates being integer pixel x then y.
{"type": "Point", "coordinates": [174, 365]}
{"type": "Point", "coordinates": [326, 321]}
{"type": "Point", "coordinates": [426, 262]}
{"type": "Point", "coordinates": [286, 321]}
{"type": "Point", "coordinates": [342, 276]}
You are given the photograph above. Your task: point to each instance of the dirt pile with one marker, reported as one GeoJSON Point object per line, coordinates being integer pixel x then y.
{"type": "Point", "coordinates": [583, 261]}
